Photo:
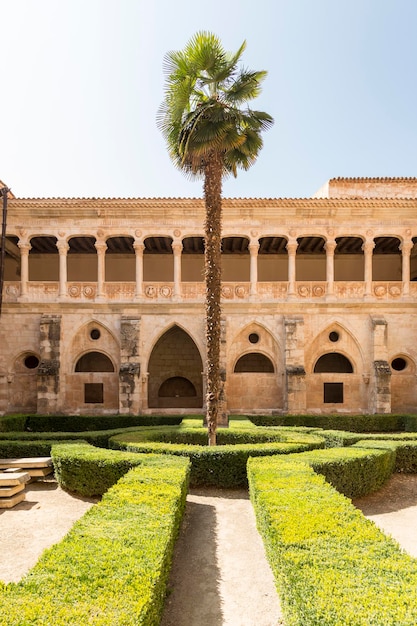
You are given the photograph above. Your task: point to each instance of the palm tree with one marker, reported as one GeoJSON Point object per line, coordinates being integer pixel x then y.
{"type": "Point", "coordinates": [210, 135]}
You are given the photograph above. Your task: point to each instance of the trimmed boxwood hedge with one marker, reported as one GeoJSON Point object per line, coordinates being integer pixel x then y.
{"type": "Point", "coordinates": [352, 471]}
{"type": "Point", "coordinates": [88, 471]}
{"type": "Point", "coordinates": [405, 452]}
{"type": "Point", "coordinates": [332, 566]}
{"type": "Point", "coordinates": [80, 423]}
{"type": "Point", "coordinates": [14, 444]}
{"type": "Point", "coordinates": [354, 423]}
{"type": "Point", "coordinates": [113, 566]}
{"type": "Point", "coordinates": [221, 465]}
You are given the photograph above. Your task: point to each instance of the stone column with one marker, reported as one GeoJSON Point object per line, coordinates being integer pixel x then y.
{"type": "Point", "coordinates": [49, 366]}
{"type": "Point", "coordinates": [406, 248]}
{"type": "Point", "coordinates": [145, 387]}
{"type": "Point", "coordinates": [24, 268]}
{"type": "Point", "coordinates": [330, 247]}
{"type": "Point", "coordinates": [367, 248]}
{"type": "Point", "coordinates": [177, 249]}
{"type": "Point", "coordinates": [139, 248]}
{"type": "Point", "coordinates": [63, 248]}
{"type": "Point", "coordinates": [253, 249]}
{"type": "Point", "coordinates": [101, 248]}
{"type": "Point", "coordinates": [296, 394]}
{"type": "Point", "coordinates": [292, 251]}
{"type": "Point", "coordinates": [129, 373]}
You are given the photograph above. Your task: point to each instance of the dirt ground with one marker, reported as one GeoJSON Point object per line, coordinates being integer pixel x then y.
{"type": "Point", "coordinates": [220, 576]}
{"type": "Point", "coordinates": [39, 521]}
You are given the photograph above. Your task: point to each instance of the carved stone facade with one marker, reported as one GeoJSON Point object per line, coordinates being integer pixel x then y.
{"type": "Point", "coordinates": [103, 303]}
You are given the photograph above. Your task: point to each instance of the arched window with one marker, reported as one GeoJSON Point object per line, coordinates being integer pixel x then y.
{"type": "Point", "coordinates": [94, 362]}
{"type": "Point", "coordinates": [254, 362]}
{"type": "Point", "coordinates": [333, 362]}
{"type": "Point", "coordinates": [177, 387]}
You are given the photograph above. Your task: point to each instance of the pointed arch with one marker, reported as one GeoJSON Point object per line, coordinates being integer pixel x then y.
{"type": "Point", "coordinates": [335, 337]}
{"type": "Point", "coordinates": [255, 349]}
{"type": "Point", "coordinates": [175, 371]}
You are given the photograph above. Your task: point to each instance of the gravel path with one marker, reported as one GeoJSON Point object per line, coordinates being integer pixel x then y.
{"type": "Point", "coordinates": [36, 523]}
{"type": "Point", "coordinates": [220, 575]}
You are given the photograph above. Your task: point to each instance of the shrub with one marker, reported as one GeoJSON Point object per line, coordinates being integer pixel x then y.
{"type": "Point", "coordinates": [88, 471]}
{"type": "Point", "coordinates": [113, 566]}
{"type": "Point", "coordinates": [353, 423]}
{"type": "Point", "coordinates": [405, 452]}
{"type": "Point", "coordinates": [12, 448]}
{"type": "Point", "coordinates": [12, 422]}
{"type": "Point", "coordinates": [352, 471]}
{"type": "Point", "coordinates": [332, 566]}
{"type": "Point", "coordinates": [20, 443]}
{"type": "Point", "coordinates": [221, 465]}
{"type": "Point", "coordinates": [80, 423]}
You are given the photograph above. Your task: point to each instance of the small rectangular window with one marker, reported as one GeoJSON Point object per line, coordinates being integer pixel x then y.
{"type": "Point", "coordinates": [93, 393]}
{"type": "Point", "coordinates": [333, 393]}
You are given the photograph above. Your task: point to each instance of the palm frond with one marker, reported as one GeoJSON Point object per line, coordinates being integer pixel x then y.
{"type": "Point", "coordinates": [202, 110]}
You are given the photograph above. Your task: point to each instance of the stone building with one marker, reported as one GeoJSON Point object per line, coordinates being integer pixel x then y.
{"type": "Point", "coordinates": [103, 303]}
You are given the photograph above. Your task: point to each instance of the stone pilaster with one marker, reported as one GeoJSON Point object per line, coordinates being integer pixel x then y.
{"type": "Point", "coordinates": [296, 397]}
{"type": "Point", "coordinates": [49, 366]}
{"type": "Point", "coordinates": [129, 373]}
{"type": "Point", "coordinates": [380, 387]}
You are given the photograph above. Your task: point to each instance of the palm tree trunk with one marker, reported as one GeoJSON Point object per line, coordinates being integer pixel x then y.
{"type": "Point", "coordinates": [212, 259]}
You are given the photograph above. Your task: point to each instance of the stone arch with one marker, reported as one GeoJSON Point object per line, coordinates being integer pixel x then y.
{"type": "Point", "coordinates": [43, 258]}
{"type": "Point", "coordinates": [175, 366]}
{"type": "Point", "coordinates": [335, 371]}
{"type": "Point", "coordinates": [272, 258]}
{"type": "Point", "coordinates": [346, 343]}
{"type": "Point", "coordinates": [254, 362]}
{"type": "Point", "coordinates": [254, 349]}
{"type": "Point", "coordinates": [82, 258]}
{"type": "Point", "coordinates": [94, 361]}
{"type": "Point", "coordinates": [22, 382]}
{"type": "Point", "coordinates": [90, 368]}
{"type": "Point", "coordinates": [92, 335]}
{"type": "Point", "coordinates": [177, 387]}
{"type": "Point", "coordinates": [334, 362]}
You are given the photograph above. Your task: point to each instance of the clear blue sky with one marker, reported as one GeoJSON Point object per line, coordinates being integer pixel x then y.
{"type": "Point", "coordinates": [81, 82]}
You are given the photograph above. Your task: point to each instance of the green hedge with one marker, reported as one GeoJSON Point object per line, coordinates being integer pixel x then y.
{"type": "Point", "coordinates": [10, 449]}
{"type": "Point", "coordinates": [221, 465]}
{"type": "Point", "coordinates": [352, 471]}
{"type": "Point", "coordinates": [353, 423]}
{"type": "Point", "coordinates": [12, 422]}
{"type": "Point", "coordinates": [113, 566]}
{"type": "Point", "coordinates": [21, 443]}
{"type": "Point", "coordinates": [79, 423]}
{"type": "Point", "coordinates": [405, 452]}
{"type": "Point", "coordinates": [88, 471]}
{"type": "Point", "coordinates": [332, 566]}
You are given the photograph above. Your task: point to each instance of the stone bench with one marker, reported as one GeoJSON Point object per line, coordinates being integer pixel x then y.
{"type": "Point", "coordinates": [36, 467]}
{"type": "Point", "coordinates": [12, 488]}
